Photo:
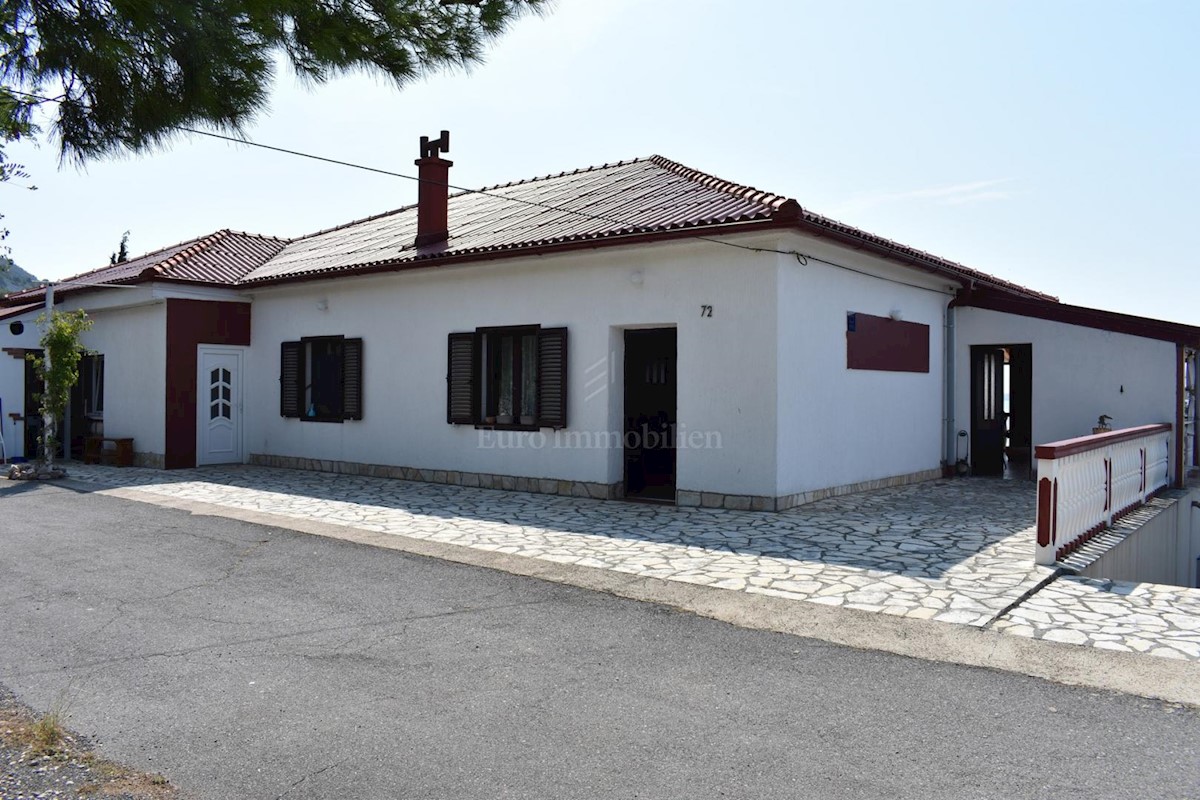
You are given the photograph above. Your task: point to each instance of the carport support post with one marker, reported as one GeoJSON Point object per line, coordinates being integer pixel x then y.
{"type": "Point", "coordinates": [47, 419]}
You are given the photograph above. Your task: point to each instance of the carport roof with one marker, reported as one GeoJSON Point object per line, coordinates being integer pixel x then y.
{"type": "Point", "coordinates": [16, 311]}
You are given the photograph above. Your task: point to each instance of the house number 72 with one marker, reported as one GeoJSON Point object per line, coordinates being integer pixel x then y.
{"type": "Point", "coordinates": [706, 311]}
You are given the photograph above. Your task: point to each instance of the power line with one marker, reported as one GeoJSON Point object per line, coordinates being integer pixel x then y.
{"type": "Point", "coordinates": [802, 258]}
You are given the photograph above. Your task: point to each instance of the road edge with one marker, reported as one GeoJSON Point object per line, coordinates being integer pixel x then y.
{"type": "Point", "coordinates": [929, 640]}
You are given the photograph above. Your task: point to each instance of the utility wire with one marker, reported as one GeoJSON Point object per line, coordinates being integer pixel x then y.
{"type": "Point", "coordinates": [802, 258]}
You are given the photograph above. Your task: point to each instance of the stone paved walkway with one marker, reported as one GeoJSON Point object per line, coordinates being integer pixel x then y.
{"type": "Point", "coordinates": [955, 551]}
{"type": "Point", "coordinates": [1131, 617]}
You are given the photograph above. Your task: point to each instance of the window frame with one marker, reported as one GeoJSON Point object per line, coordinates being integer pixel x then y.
{"type": "Point", "coordinates": [482, 375]}
{"type": "Point", "coordinates": [489, 386]}
{"type": "Point", "coordinates": [303, 387]}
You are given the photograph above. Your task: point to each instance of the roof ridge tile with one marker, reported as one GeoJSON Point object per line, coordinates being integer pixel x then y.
{"type": "Point", "coordinates": [707, 179]}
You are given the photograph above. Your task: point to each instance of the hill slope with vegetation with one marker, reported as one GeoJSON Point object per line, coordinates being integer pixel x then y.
{"type": "Point", "coordinates": [13, 278]}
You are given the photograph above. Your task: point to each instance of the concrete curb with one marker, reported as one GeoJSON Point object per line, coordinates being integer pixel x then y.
{"type": "Point", "coordinates": [1147, 676]}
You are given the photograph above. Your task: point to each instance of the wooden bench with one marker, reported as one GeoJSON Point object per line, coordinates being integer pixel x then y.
{"type": "Point", "coordinates": [120, 454]}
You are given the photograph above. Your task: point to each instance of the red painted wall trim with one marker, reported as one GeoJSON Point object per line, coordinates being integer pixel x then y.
{"type": "Point", "coordinates": [882, 343]}
{"type": "Point", "coordinates": [191, 323]}
{"type": "Point", "coordinates": [1043, 513]}
{"type": "Point", "coordinates": [1083, 444]}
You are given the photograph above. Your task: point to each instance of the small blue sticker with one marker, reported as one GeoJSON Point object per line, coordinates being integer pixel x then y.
{"type": "Point", "coordinates": [851, 322]}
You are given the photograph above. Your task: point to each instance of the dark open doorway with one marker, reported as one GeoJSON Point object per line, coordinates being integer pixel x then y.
{"type": "Point", "coordinates": [1002, 410]}
{"type": "Point", "coordinates": [33, 415]}
{"type": "Point", "coordinates": [650, 387]}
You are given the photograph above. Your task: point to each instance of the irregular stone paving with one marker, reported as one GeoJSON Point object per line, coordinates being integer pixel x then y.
{"type": "Point", "coordinates": [1131, 617]}
{"type": "Point", "coordinates": [956, 551]}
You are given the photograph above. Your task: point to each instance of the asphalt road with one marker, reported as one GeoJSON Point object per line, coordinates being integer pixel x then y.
{"type": "Point", "coordinates": [245, 661]}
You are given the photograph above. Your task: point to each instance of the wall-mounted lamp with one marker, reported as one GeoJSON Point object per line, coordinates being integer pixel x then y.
{"type": "Point", "coordinates": [637, 278]}
{"type": "Point", "coordinates": [322, 304]}
{"type": "Point", "coordinates": [16, 328]}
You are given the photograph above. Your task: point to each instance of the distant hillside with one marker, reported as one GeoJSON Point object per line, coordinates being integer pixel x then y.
{"type": "Point", "coordinates": [13, 278]}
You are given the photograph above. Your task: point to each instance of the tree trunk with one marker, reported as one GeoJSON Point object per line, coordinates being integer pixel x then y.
{"type": "Point", "coordinates": [48, 421]}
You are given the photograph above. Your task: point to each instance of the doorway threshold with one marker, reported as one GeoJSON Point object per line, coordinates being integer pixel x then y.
{"type": "Point", "coordinates": [650, 501]}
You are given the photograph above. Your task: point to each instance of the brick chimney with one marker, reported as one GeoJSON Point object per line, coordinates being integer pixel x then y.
{"type": "Point", "coordinates": [433, 192]}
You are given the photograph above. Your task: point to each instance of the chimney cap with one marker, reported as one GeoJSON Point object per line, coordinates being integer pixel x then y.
{"type": "Point", "coordinates": [434, 148]}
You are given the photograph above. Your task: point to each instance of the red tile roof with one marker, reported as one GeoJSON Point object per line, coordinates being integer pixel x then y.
{"type": "Point", "coordinates": [221, 259]}
{"type": "Point", "coordinates": [622, 203]}
{"type": "Point", "coordinates": [613, 203]}
{"type": "Point", "coordinates": [648, 195]}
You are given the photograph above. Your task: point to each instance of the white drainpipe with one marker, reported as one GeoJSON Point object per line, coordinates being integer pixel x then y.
{"type": "Point", "coordinates": [949, 437]}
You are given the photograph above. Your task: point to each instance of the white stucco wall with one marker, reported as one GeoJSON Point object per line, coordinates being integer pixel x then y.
{"type": "Point", "coordinates": [12, 381]}
{"type": "Point", "coordinates": [726, 363]}
{"type": "Point", "coordinates": [839, 426]}
{"type": "Point", "coordinates": [133, 342]}
{"type": "Point", "coordinates": [1078, 373]}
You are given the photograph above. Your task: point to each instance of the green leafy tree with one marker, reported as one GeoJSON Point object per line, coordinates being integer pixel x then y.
{"type": "Point", "coordinates": [125, 75]}
{"type": "Point", "coordinates": [15, 123]}
{"type": "Point", "coordinates": [58, 368]}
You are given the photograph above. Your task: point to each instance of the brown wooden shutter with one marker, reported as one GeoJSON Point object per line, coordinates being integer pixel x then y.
{"type": "Point", "coordinates": [552, 377]}
{"type": "Point", "coordinates": [290, 360]}
{"type": "Point", "coordinates": [352, 379]}
{"type": "Point", "coordinates": [462, 382]}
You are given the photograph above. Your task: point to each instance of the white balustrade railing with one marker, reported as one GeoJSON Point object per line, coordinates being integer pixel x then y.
{"type": "Point", "coordinates": [1086, 483]}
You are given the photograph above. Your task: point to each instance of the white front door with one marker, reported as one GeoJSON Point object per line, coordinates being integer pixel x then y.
{"type": "Point", "coordinates": [219, 405]}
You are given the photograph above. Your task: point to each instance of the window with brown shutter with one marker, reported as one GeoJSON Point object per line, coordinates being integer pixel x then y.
{"type": "Point", "coordinates": [352, 379]}
{"type": "Point", "coordinates": [512, 377]}
{"type": "Point", "coordinates": [552, 377]}
{"type": "Point", "coordinates": [321, 379]}
{"type": "Point", "coordinates": [289, 379]}
{"type": "Point", "coordinates": [461, 395]}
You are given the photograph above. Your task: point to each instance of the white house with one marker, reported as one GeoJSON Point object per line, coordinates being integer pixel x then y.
{"type": "Point", "coordinates": [638, 330]}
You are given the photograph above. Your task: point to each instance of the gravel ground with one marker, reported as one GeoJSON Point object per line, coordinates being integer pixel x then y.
{"type": "Point", "coordinates": [32, 768]}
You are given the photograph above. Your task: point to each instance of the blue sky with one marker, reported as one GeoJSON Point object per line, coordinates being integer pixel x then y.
{"type": "Point", "coordinates": [1055, 144]}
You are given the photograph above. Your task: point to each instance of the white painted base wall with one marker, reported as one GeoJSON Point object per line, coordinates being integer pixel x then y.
{"type": "Point", "coordinates": [1166, 549]}
{"type": "Point", "coordinates": [133, 342]}
{"type": "Point", "coordinates": [1078, 373]}
{"type": "Point", "coordinates": [726, 380]}
{"type": "Point", "coordinates": [763, 388]}
{"type": "Point", "coordinates": [12, 381]}
{"type": "Point", "coordinates": [839, 426]}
